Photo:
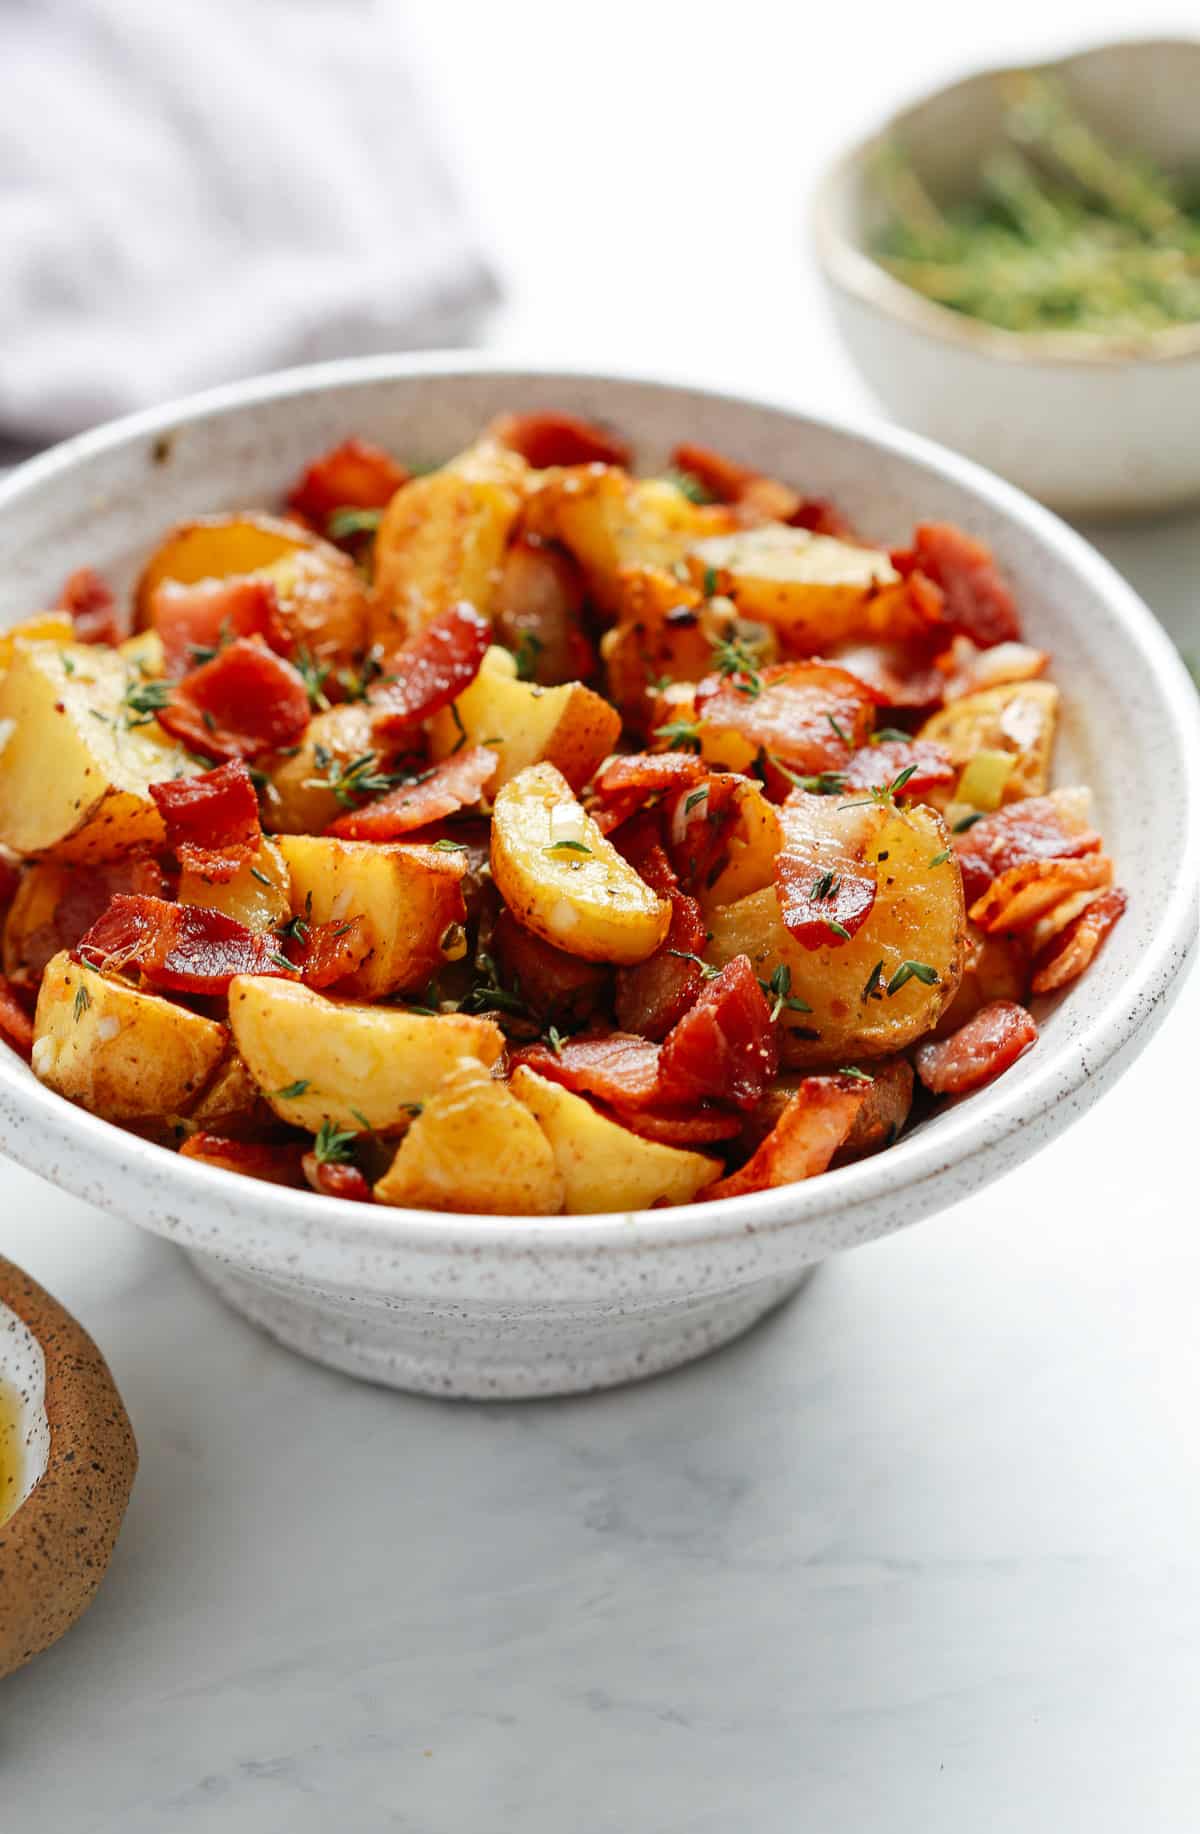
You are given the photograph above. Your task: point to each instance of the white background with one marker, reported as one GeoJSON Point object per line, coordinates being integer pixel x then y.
{"type": "Point", "coordinates": [918, 1557]}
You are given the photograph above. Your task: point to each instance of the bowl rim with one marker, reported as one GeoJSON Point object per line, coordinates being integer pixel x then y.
{"type": "Point", "coordinates": [848, 265]}
{"type": "Point", "coordinates": [104, 1158]}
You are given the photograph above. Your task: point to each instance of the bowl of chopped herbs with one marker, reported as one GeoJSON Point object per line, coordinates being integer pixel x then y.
{"type": "Point", "coordinates": [1014, 264]}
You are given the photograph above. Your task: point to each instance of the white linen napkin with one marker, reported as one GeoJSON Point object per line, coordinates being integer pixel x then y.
{"type": "Point", "coordinates": [196, 190]}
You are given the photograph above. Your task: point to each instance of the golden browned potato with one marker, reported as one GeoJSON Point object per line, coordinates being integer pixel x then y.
{"type": "Point", "coordinates": [665, 630]}
{"type": "Point", "coordinates": [564, 880]}
{"type": "Point", "coordinates": [322, 600]}
{"type": "Point", "coordinates": [121, 1053]}
{"type": "Point", "coordinates": [232, 1102]}
{"type": "Point", "coordinates": [144, 653]}
{"type": "Point", "coordinates": [918, 917]}
{"type": "Point", "coordinates": [76, 758]}
{"type": "Point", "coordinates": [408, 897]}
{"type": "Point", "coordinates": [750, 844]}
{"type": "Point", "coordinates": [359, 1067]}
{"type": "Point", "coordinates": [524, 724]}
{"type": "Point", "coordinates": [474, 1147]}
{"type": "Point", "coordinates": [813, 590]}
{"type": "Point", "coordinates": [603, 1165]}
{"type": "Point", "coordinates": [610, 522]}
{"type": "Point", "coordinates": [1015, 722]}
{"type": "Point", "coordinates": [300, 798]}
{"type": "Point", "coordinates": [46, 627]}
{"type": "Point", "coordinates": [258, 895]}
{"type": "Point", "coordinates": [442, 539]}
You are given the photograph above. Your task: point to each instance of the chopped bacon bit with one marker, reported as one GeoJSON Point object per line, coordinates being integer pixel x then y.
{"type": "Point", "coordinates": [620, 1068]}
{"type": "Point", "coordinates": [875, 766]}
{"type": "Point", "coordinates": [824, 882]}
{"type": "Point", "coordinates": [968, 670]}
{"type": "Point", "coordinates": [798, 714]}
{"type": "Point", "coordinates": [457, 783]}
{"type": "Point", "coordinates": [211, 820]}
{"type": "Point", "coordinates": [1024, 893]}
{"type": "Point", "coordinates": [643, 773]}
{"type": "Point", "coordinates": [545, 440]}
{"type": "Point", "coordinates": [16, 1026]}
{"type": "Point", "coordinates": [978, 602]}
{"type": "Point", "coordinates": [884, 1111]}
{"type": "Point", "coordinates": [273, 1163]}
{"type": "Point", "coordinates": [86, 893]}
{"type": "Point", "coordinates": [192, 620]}
{"type": "Point", "coordinates": [726, 1048]}
{"type": "Point", "coordinates": [756, 494]}
{"type": "Point", "coordinates": [986, 1045]}
{"type": "Point", "coordinates": [331, 951]}
{"type": "Point", "coordinates": [654, 995]}
{"type": "Point", "coordinates": [93, 608]}
{"type": "Point", "coordinates": [555, 986]}
{"type": "Point", "coordinates": [332, 1179]}
{"type": "Point", "coordinates": [430, 670]}
{"type": "Point", "coordinates": [1074, 948]}
{"type": "Point", "coordinates": [816, 1122]}
{"type": "Point", "coordinates": [245, 702]}
{"type": "Point", "coordinates": [697, 836]}
{"type": "Point", "coordinates": [640, 842]}
{"type": "Point", "coordinates": [679, 1127]}
{"type": "Point", "coordinates": [354, 475]}
{"type": "Point", "coordinates": [899, 674]}
{"type": "Point", "coordinates": [822, 517]}
{"type": "Point", "coordinates": [182, 947]}
{"type": "Point", "coordinates": [1039, 828]}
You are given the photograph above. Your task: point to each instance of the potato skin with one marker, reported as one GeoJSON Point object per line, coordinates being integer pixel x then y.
{"type": "Point", "coordinates": [245, 897]}
{"type": "Point", "coordinates": [121, 1053]}
{"type": "Point", "coordinates": [1019, 717]}
{"type": "Point", "coordinates": [442, 539]}
{"type": "Point", "coordinates": [567, 726]}
{"type": "Point", "coordinates": [813, 590]}
{"type": "Point", "coordinates": [474, 1147]}
{"type": "Point", "coordinates": [918, 916]}
{"type": "Point", "coordinates": [298, 800]}
{"type": "Point", "coordinates": [564, 880]}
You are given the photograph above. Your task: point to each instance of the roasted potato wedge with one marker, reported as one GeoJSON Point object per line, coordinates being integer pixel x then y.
{"type": "Point", "coordinates": [359, 1067]}
{"type": "Point", "coordinates": [407, 896]}
{"type": "Point", "coordinates": [604, 1166]}
{"type": "Point", "coordinates": [564, 880]}
{"type": "Point", "coordinates": [812, 589]}
{"type": "Point", "coordinates": [918, 916]}
{"type": "Point", "coordinates": [611, 522]}
{"type": "Point", "coordinates": [258, 895]}
{"type": "Point", "coordinates": [75, 760]}
{"type": "Point", "coordinates": [299, 798]}
{"type": "Point", "coordinates": [750, 844]}
{"type": "Point", "coordinates": [47, 627]}
{"type": "Point", "coordinates": [568, 726]}
{"type": "Point", "coordinates": [121, 1053]}
{"type": "Point", "coordinates": [442, 539]}
{"type": "Point", "coordinates": [1018, 718]}
{"type": "Point", "coordinates": [232, 1102]}
{"type": "Point", "coordinates": [474, 1147]}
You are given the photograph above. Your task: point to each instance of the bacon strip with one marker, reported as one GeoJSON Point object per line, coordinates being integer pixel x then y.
{"type": "Point", "coordinates": [625, 783]}
{"type": "Point", "coordinates": [1074, 948]}
{"type": "Point", "coordinates": [1024, 893]}
{"type": "Point", "coordinates": [246, 702]}
{"type": "Point", "coordinates": [273, 1163]}
{"type": "Point", "coordinates": [429, 671]}
{"type": "Point", "coordinates": [187, 948]}
{"type": "Point", "coordinates": [875, 766]}
{"type": "Point", "coordinates": [980, 1050]}
{"type": "Point", "coordinates": [212, 820]}
{"type": "Point", "coordinates": [809, 714]}
{"type": "Point", "coordinates": [690, 1127]}
{"type": "Point", "coordinates": [697, 829]}
{"type": "Point", "coordinates": [335, 1180]}
{"type": "Point", "coordinates": [353, 475]}
{"type": "Point", "coordinates": [544, 440]}
{"type": "Point", "coordinates": [620, 1069]}
{"type": "Point", "coordinates": [978, 602]}
{"type": "Point", "coordinates": [192, 620]}
{"type": "Point", "coordinates": [816, 1122]}
{"type": "Point", "coordinates": [899, 674]}
{"type": "Point", "coordinates": [726, 1048]}
{"type": "Point", "coordinates": [93, 608]}
{"type": "Point", "coordinates": [554, 985]}
{"type": "Point", "coordinates": [654, 995]}
{"type": "Point", "coordinates": [86, 893]}
{"type": "Point", "coordinates": [1039, 828]}
{"type": "Point", "coordinates": [725, 481]}
{"type": "Point", "coordinates": [458, 783]}
{"type": "Point", "coordinates": [16, 1026]}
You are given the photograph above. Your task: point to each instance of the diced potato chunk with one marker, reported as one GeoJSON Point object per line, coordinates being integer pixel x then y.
{"type": "Point", "coordinates": [76, 761]}
{"type": "Point", "coordinates": [812, 589]}
{"type": "Point", "coordinates": [300, 799]}
{"type": "Point", "coordinates": [442, 539]}
{"type": "Point", "coordinates": [232, 1099]}
{"type": "Point", "coordinates": [603, 1166]}
{"type": "Point", "coordinates": [258, 895]}
{"type": "Point", "coordinates": [751, 842]}
{"type": "Point", "coordinates": [406, 895]}
{"type": "Point", "coordinates": [564, 880]}
{"type": "Point", "coordinates": [611, 521]}
{"type": "Point", "coordinates": [474, 1148]}
{"type": "Point", "coordinates": [1019, 718]}
{"type": "Point", "coordinates": [918, 916]}
{"type": "Point", "coordinates": [359, 1067]}
{"type": "Point", "coordinates": [568, 726]}
{"type": "Point", "coordinates": [121, 1053]}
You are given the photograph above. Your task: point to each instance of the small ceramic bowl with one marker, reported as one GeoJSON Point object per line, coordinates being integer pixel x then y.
{"type": "Point", "coordinates": [490, 1305]}
{"type": "Point", "coordinates": [1092, 426]}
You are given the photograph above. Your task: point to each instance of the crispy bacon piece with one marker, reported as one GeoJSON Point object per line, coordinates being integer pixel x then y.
{"type": "Point", "coordinates": [455, 784]}
{"type": "Point", "coordinates": [824, 882]}
{"type": "Point", "coordinates": [429, 671]}
{"type": "Point", "coordinates": [697, 829]}
{"type": "Point", "coordinates": [86, 893]}
{"type": "Point", "coordinates": [640, 842]}
{"type": "Point", "coordinates": [354, 475]}
{"type": "Point", "coordinates": [626, 782]}
{"type": "Point", "coordinates": [875, 766]}
{"type": "Point", "coordinates": [980, 1050]}
{"type": "Point", "coordinates": [899, 674]}
{"type": "Point", "coordinates": [1024, 893]}
{"type": "Point", "coordinates": [653, 996]}
{"type": "Point", "coordinates": [726, 1048]}
{"type": "Point", "coordinates": [211, 820]}
{"type": "Point", "coordinates": [967, 669]}
{"type": "Point", "coordinates": [808, 714]}
{"type": "Point", "coordinates": [725, 481]}
{"type": "Point", "coordinates": [274, 1163]}
{"type": "Point", "coordinates": [548, 439]}
{"type": "Point", "coordinates": [620, 1069]}
{"type": "Point", "coordinates": [245, 702]}
{"type": "Point", "coordinates": [816, 1122]}
{"type": "Point", "coordinates": [885, 1109]}
{"type": "Point", "coordinates": [1039, 828]}
{"type": "Point", "coordinates": [187, 948]}
{"type": "Point", "coordinates": [978, 603]}
{"type": "Point", "coordinates": [331, 951]}
{"type": "Point", "coordinates": [93, 608]}
{"type": "Point", "coordinates": [689, 1127]}
{"type": "Point", "coordinates": [1073, 949]}
{"type": "Point", "coordinates": [193, 620]}
{"type": "Point", "coordinates": [16, 1026]}
{"type": "Point", "coordinates": [336, 1180]}
{"type": "Point", "coordinates": [555, 986]}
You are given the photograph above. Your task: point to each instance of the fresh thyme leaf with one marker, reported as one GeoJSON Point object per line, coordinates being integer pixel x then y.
{"type": "Point", "coordinates": [554, 1039]}
{"type": "Point", "coordinates": [260, 876]}
{"type": "Point", "coordinates": [334, 1145]}
{"type": "Point", "coordinates": [732, 658]}
{"type": "Point", "coordinates": [779, 990]}
{"type": "Point", "coordinates": [887, 793]}
{"type": "Point", "coordinates": [694, 800]}
{"type": "Point", "coordinates": [837, 730]}
{"type": "Point", "coordinates": [449, 846]}
{"type": "Point", "coordinates": [292, 1091]}
{"type": "Point", "coordinates": [706, 968]}
{"type": "Point", "coordinates": [68, 663]}
{"type": "Point", "coordinates": [710, 582]}
{"type": "Point", "coordinates": [890, 735]}
{"type": "Point", "coordinates": [825, 783]}
{"type": "Point", "coordinates": [83, 1000]}
{"type": "Point", "coordinates": [529, 648]}
{"type": "Point", "coordinates": [566, 847]}
{"type": "Point", "coordinates": [349, 521]}
{"type": "Point", "coordinates": [679, 735]}
{"type": "Point", "coordinates": [939, 859]}
{"type": "Point", "coordinates": [908, 971]}
{"type": "Point", "coordinates": [968, 821]}
{"type": "Point", "coordinates": [824, 886]}
{"type": "Point", "coordinates": [314, 675]}
{"type": "Point", "coordinates": [839, 929]}
{"type": "Point", "coordinates": [854, 1073]}
{"type": "Point", "coordinates": [874, 988]}
{"type": "Point", "coordinates": [461, 740]}
{"type": "Point", "coordinates": [689, 485]}
{"type": "Point", "coordinates": [147, 696]}
{"type": "Point", "coordinates": [295, 927]}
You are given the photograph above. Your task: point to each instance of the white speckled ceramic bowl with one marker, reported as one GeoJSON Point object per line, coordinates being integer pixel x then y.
{"type": "Point", "coordinates": [501, 1306]}
{"type": "Point", "coordinates": [1092, 426]}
